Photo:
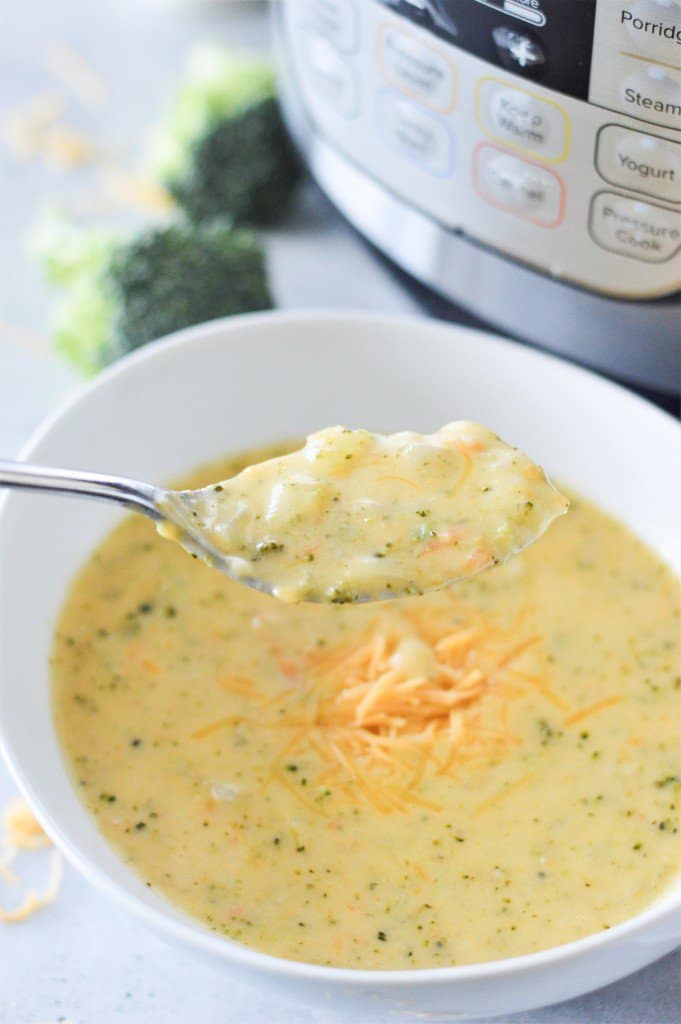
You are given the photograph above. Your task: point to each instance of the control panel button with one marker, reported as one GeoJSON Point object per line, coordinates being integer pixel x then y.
{"type": "Point", "coordinates": [419, 70]}
{"type": "Point", "coordinates": [652, 94]}
{"type": "Point", "coordinates": [636, 59]}
{"type": "Point", "coordinates": [633, 228]}
{"type": "Point", "coordinates": [416, 134]}
{"type": "Point", "coordinates": [336, 20]}
{"type": "Point", "coordinates": [331, 75]}
{"type": "Point", "coordinates": [521, 187]}
{"type": "Point", "coordinates": [519, 51]}
{"type": "Point", "coordinates": [653, 28]}
{"type": "Point", "coordinates": [640, 162]}
{"type": "Point", "coordinates": [522, 120]}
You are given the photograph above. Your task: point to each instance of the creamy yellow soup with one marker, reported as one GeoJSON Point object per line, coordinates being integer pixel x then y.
{"type": "Point", "coordinates": [476, 774]}
{"type": "Point", "coordinates": [354, 515]}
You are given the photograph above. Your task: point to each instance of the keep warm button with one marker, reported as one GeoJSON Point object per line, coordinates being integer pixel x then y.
{"type": "Point", "coordinates": [643, 231]}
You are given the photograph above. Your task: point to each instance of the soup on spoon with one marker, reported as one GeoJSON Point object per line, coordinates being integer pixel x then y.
{"type": "Point", "coordinates": [356, 516]}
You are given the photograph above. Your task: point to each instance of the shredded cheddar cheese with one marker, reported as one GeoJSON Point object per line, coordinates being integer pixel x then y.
{"type": "Point", "coordinates": [133, 190]}
{"type": "Point", "coordinates": [22, 832]}
{"type": "Point", "coordinates": [23, 829]}
{"type": "Point", "coordinates": [410, 700]}
{"type": "Point", "coordinates": [418, 695]}
{"type": "Point", "coordinates": [593, 709]}
{"type": "Point", "coordinates": [38, 131]}
{"type": "Point", "coordinates": [25, 127]}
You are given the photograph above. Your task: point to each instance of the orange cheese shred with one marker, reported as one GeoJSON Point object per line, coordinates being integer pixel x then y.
{"type": "Point", "coordinates": [592, 709]}
{"type": "Point", "coordinates": [22, 832]}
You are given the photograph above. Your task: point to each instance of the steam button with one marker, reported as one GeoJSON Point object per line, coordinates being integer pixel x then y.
{"type": "Point", "coordinates": [652, 94]}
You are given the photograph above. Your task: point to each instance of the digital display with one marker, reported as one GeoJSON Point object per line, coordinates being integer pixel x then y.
{"type": "Point", "coordinates": [548, 41]}
{"type": "Point", "coordinates": [527, 10]}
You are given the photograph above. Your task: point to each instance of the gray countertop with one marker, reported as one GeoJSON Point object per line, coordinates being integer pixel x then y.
{"type": "Point", "coordinates": [83, 959]}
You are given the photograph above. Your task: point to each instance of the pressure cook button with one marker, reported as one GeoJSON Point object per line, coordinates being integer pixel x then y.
{"type": "Point", "coordinates": [532, 192]}
{"type": "Point", "coordinates": [336, 20]}
{"type": "Point", "coordinates": [640, 230]}
{"type": "Point", "coordinates": [417, 69]}
{"type": "Point", "coordinates": [522, 120]}
{"type": "Point", "coordinates": [640, 162]}
{"type": "Point", "coordinates": [652, 94]}
{"type": "Point", "coordinates": [415, 134]}
{"type": "Point", "coordinates": [331, 75]}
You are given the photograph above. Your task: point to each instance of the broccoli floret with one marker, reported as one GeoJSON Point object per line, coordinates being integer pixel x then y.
{"type": "Point", "coordinates": [83, 323]}
{"type": "Point", "coordinates": [137, 289]}
{"type": "Point", "coordinates": [218, 83]}
{"type": "Point", "coordinates": [224, 151]}
{"type": "Point", "coordinates": [182, 275]}
{"type": "Point", "coordinates": [245, 166]}
{"type": "Point", "coordinates": [65, 250]}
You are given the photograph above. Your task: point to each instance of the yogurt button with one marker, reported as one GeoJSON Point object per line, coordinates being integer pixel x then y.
{"type": "Point", "coordinates": [416, 69]}
{"type": "Point", "coordinates": [640, 162]}
{"type": "Point", "coordinates": [415, 134]}
{"type": "Point", "coordinates": [337, 21]}
{"type": "Point", "coordinates": [653, 95]}
{"type": "Point", "coordinates": [640, 230]}
{"type": "Point", "coordinates": [331, 75]}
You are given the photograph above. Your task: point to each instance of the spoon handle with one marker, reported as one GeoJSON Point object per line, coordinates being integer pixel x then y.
{"type": "Point", "coordinates": [132, 493]}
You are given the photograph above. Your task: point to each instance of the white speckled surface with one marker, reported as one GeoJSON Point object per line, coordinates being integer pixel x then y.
{"type": "Point", "coordinates": [83, 960]}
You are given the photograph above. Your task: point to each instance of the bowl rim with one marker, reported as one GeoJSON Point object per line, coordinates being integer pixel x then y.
{"type": "Point", "coordinates": [192, 933]}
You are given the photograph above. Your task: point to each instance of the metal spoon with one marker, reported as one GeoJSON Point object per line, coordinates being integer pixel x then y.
{"type": "Point", "coordinates": [172, 508]}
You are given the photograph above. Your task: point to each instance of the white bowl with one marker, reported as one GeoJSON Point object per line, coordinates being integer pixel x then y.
{"type": "Point", "coordinates": [244, 382]}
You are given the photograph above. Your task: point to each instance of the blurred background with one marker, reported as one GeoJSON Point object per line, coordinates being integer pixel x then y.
{"type": "Point", "coordinates": [83, 89]}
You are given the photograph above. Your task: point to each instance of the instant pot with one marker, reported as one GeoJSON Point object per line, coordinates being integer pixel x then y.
{"type": "Point", "coordinates": [520, 157]}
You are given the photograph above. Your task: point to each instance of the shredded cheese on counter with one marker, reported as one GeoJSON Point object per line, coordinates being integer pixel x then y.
{"type": "Point", "coordinates": [22, 832]}
{"type": "Point", "coordinates": [38, 130]}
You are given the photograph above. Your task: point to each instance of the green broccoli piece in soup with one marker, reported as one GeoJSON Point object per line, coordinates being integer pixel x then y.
{"type": "Point", "coordinates": [224, 151]}
{"type": "Point", "coordinates": [120, 293]}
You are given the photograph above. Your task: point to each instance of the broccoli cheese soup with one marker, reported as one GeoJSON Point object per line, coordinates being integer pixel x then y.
{"type": "Point", "coordinates": [354, 515]}
{"type": "Point", "coordinates": [475, 774]}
